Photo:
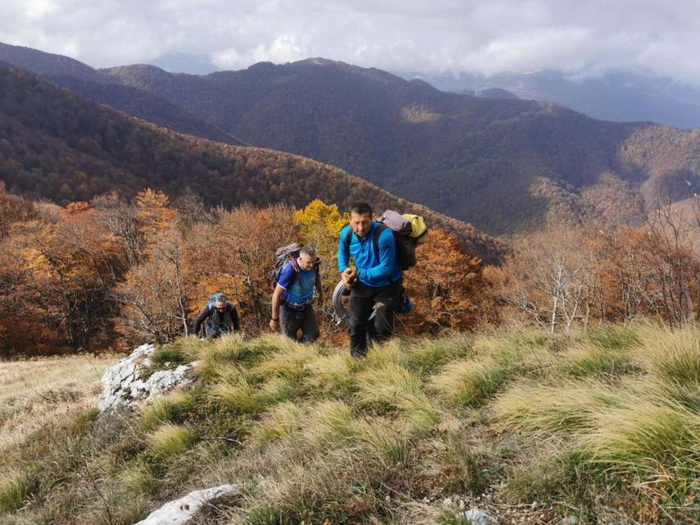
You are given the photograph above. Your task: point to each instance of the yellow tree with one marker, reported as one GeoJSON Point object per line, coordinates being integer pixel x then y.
{"type": "Point", "coordinates": [154, 213]}
{"type": "Point", "coordinates": [320, 226]}
{"type": "Point", "coordinates": [319, 221]}
{"type": "Point", "coordinates": [154, 295]}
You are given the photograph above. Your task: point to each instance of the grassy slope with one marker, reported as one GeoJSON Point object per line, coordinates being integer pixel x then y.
{"type": "Point", "coordinates": [42, 392]}
{"type": "Point", "coordinates": [603, 426]}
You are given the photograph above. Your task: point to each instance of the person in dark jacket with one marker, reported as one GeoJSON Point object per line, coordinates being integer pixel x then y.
{"type": "Point", "coordinates": [374, 283]}
{"type": "Point", "coordinates": [221, 318]}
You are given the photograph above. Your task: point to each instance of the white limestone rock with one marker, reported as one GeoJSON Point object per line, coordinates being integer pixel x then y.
{"type": "Point", "coordinates": [182, 511]}
{"type": "Point", "coordinates": [479, 517]}
{"type": "Point", "coordinates": [124, 385]}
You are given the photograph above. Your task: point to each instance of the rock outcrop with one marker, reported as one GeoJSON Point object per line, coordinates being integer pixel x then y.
{"type": "Point", "coordinates": [184, 510]}
{"type": "Point", "coordinates": [479, 517]}
{"type": "Point", "coordinates": [128, 384]}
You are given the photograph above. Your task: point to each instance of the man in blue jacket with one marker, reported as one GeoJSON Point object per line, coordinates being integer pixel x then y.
{"type": "Point", "coordinates": [374, 283]}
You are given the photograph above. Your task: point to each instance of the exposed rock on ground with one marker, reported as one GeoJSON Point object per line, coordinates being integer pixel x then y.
{"type": "Point", "coordinates": [127, 384]}
{"type": "Point", "coordinates": [182, 511]}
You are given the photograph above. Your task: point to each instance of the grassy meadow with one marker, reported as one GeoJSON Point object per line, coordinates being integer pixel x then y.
{"type": "Point", "coordinates": [600, 426]}
{"type": "Point", "coordinates": [47, 391]}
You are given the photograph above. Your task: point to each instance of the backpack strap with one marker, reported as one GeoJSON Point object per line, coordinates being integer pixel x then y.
{"type": "Point", "coordinates": [348, 239]}
{"type": "Point", "coordinates": [375, 240]}
{"type": "Point", "coordinates": [294, 262]}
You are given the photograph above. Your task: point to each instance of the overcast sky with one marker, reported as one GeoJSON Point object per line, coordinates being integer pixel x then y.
{"type": "Point", "coordinates": [488, 37]}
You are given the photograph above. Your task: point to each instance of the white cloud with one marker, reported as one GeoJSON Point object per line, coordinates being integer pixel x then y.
{"type": "Point", "coordinates": [38, 9]}
{"type": "Point", "coordinates": [486, 36]}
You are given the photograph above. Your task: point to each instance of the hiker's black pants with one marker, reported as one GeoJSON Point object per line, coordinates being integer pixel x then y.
{"type": "Point", "coordinates": [292, 320]}
{"type": "Point", "coordinates": [213, 330]}
{"type": "Point", "coordinates": [371, 315]}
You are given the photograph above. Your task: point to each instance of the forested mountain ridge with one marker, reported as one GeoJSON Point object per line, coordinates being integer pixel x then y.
{"type": "Point", "coordinates": [505, 165]}
{"type": "Point", "coordinates": [60, 146]}
{"type": "Point", "coordinates": [478, 159]}
{"type": "Point", "coordinates": [481, 160]}
{"type": "Point", "coordinates": [99, 87]}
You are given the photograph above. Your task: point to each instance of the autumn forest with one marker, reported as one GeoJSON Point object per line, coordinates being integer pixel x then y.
{"type": "Point", "coordinates": [112, 273]}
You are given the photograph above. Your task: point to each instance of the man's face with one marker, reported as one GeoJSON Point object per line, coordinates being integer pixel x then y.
{"type": "Point", "coordinates": [360, 223]}
{"type": "Point", "coordinates": [220, 306]}
{"type": "Point", "coordinates": [306, 262]}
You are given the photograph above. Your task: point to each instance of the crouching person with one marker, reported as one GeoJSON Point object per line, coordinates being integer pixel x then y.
{"type": "Point", "coordinates": [219, 317]}
{"type": "Point", "coordinates": [292, 299]}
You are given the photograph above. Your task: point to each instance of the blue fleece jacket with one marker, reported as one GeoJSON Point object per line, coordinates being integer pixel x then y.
{"type": "Point", "coordinates": [373, 271]}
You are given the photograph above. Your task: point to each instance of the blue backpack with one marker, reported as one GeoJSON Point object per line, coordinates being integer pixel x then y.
{"type": "Point", "coordinates": [211, 304]}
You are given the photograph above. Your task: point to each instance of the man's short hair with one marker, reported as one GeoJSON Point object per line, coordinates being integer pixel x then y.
{"type": "Point", "coordinates": [308, 250]}
{"type": "Point", "coordinates": [361, 208]}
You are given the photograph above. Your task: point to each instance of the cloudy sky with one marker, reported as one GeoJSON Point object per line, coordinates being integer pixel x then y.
{"type": "Point", "coordinates": [577, 36]}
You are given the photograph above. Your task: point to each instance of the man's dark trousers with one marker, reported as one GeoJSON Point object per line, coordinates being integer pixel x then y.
{"type": "Point", "coordinates": [291, 320]}
{"type": "Point", "coordinates": [364, 301]}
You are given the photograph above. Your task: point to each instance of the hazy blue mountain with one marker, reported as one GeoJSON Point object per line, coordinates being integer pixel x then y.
{"type": "Point", "coordinates": [618, 97]}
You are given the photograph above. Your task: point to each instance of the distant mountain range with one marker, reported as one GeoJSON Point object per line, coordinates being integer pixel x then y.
{"type": "Point", "coordinates": [503, 164]}
{"type": "Point", "coordinates": [60, 146]}
{"type": "Point", "coordinates": [618, 97]}
{"type": "Point", "coordinates": [96, 85]}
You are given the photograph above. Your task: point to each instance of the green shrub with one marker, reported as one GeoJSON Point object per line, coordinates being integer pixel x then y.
{"type": "Point", "coordinates": [559, 476]}
{"type": "Point", "coordinates": [390, 445]}
{"type": "Point", "coordinates": [385, 388]}
{"type": "Point", "coordinates": [602, 363]}
{"type": "Point", "coordinates": [15, 491]}
{"type": "Point", "coordinates": [647, 435]}
{"type": "Point", "coordinates": [426, 357]}
{"type": "Point", "coordinates": [611, 337]}
{"type": "Point", "coordinates": [138, 479]}
{"type": "Point", "coordinates": [174, 408]}
{"type": "Point", "coordinates": [289, 362]}
{"type": "Point", "coordinates": [170, 441]}
{"type": "Point", "coordinates": [469, 382]}
{"type": "Point", "coordinates": [450, 517]}
{"type": "Point", "coordinates": [284, 420]}
{"type": "Point", "coordinates": [466, 470]}
{"type": "Point", "coordinates": [681, 367]}
{"type": "Point", "coordinates": [168, 357]}
{"type": "Point", "coordinates": [330, 376]}
{"type": "Point", "coordinates": [569, 407]}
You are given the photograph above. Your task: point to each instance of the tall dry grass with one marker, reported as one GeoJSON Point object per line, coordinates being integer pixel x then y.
{"type": "Point", "coordinates": [39, 392]}
{"type": "Point", "coordinates": [602, 425]}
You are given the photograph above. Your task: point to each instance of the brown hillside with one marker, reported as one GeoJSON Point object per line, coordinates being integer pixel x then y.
{"type": "Point", "coordinates": [481, 160]}
{"type": "Point", "coordinates": [101, 88]}
{"type": "Point", "coordinates": [476, 159]}
{"type": "Point", "coordinates": [57, 145]}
